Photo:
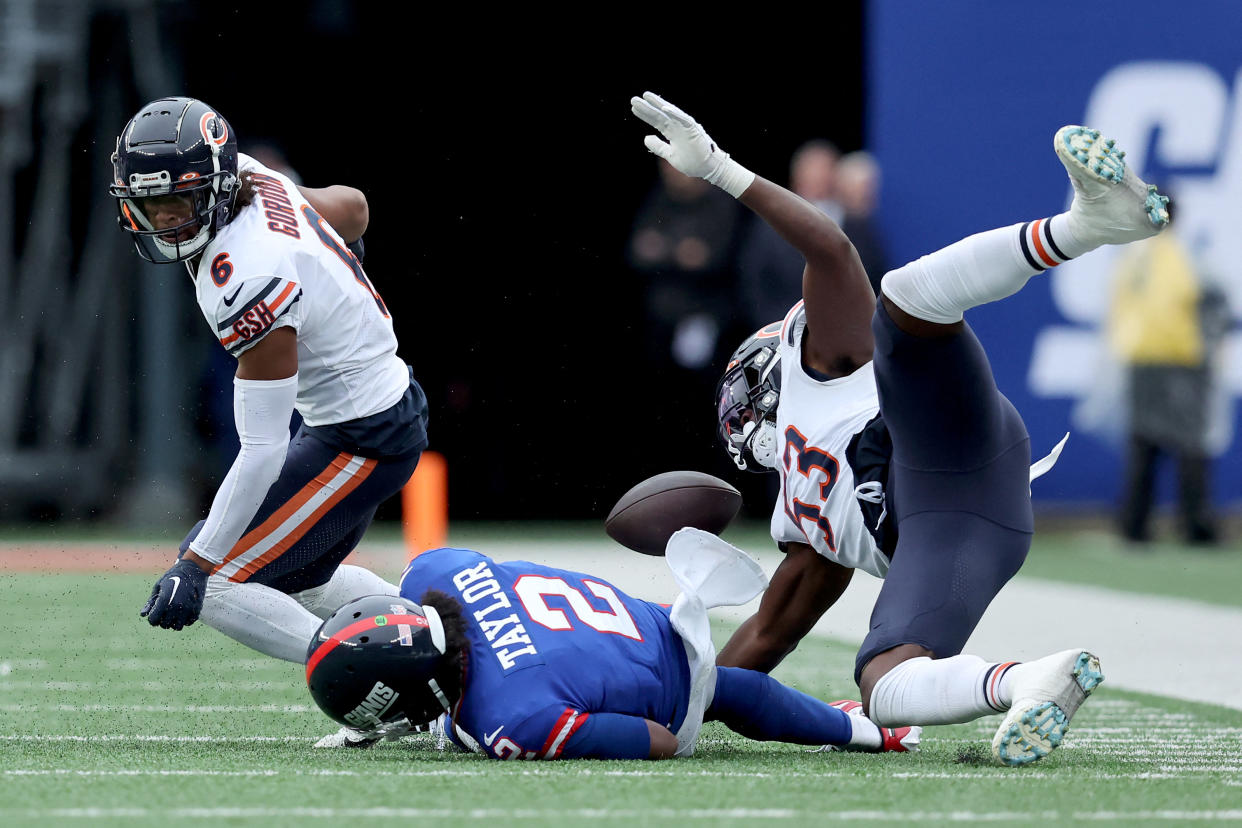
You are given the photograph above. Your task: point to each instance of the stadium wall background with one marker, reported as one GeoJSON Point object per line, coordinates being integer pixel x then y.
{"type": "Point", "coordinates": [503, 171]}
{"type": "Point", "coordinates": [964, 137]}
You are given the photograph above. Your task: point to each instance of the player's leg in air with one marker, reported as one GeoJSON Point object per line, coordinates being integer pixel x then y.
{"type": "Point", "coordinates": [960, 468]}
{"type": "Point", "coordinates": [761, 708]}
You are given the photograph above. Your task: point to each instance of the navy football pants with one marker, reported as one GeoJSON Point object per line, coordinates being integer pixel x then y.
{"type": "Point", "coordinates": [958, 488]}
{"type": "Point", "coordinates": [313, 516]}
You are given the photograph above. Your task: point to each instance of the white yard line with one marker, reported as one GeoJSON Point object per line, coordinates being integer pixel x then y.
{"type": "Point", "coordinates": [297, 709]}
{"type": "Point", "coordinates": [1008, 775]}
{"type": "Point", "coordinates": [643, 815]}
{"type": "Point", "coordinates": [140, 737]}
{"type": "Point", "coordinates": [1165, 646]}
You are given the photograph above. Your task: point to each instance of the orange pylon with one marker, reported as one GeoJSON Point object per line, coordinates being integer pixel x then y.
{"type": "Point", "coordinates": [424, 505]}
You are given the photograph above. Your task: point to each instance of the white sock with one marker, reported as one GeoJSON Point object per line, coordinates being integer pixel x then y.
{"type": "Point", "coordinates": [347, 583]}
{"type": "Point", "coordinates": [979, 269]}
{"type": "Point", "coordinates": [865, 733]}
{"type": "Point", "coordinates": [924, 691]}
{"type": "Point", "coordinates": [259, 617]}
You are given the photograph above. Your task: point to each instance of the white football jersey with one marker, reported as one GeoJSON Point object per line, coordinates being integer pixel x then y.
{"type": "Point", "coordinates": [815, 420]}
{"type": "Point", "coordinates": [278, 263]}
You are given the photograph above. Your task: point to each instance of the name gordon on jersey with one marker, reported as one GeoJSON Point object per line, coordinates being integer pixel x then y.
{"type": "Point", "coordinates": [277, 205]}
{"type": "Point", "coordinates": [478, 584]}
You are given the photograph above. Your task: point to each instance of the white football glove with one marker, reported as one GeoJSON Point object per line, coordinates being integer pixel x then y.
{"type": "Point", "coordinates": [689, 148]}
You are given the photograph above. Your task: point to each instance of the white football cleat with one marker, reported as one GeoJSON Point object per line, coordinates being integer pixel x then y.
{"type": "Point", "coordinates": [1111, 204]}
{"type": "Point", "coordinates": [1046, 693]}
{"type": "Point", "coordinates": [892, 739]}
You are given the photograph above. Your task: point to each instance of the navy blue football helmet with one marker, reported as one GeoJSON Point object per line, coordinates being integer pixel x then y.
{"type": "Point", "coordinates": [176, 150]}
{"type": "Point", "coordinates": [376, 661]}
{"type": "Point", "coordinates": [746, 400]}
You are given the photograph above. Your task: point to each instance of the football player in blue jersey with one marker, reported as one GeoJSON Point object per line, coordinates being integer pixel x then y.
{"type": "Point", "coordinates": [897, 454]}
{"type": "Point", "coordinates": [531, 662]}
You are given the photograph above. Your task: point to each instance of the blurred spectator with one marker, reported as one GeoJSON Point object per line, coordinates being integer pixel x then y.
{"type": "Point", "coordinates": [682, 246]}
{"type": "Point", "coordinates": [682, 243]}
{"type": "Point", "coordinates": [1166, 327]}
{"type": "Point", "coordinates": [769, 268]}
{"type": "Point", "coordinates": [858, 191]}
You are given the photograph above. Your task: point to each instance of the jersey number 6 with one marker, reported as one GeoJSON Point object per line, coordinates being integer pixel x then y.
{"type": "Point", "coordinates": [331, 242]}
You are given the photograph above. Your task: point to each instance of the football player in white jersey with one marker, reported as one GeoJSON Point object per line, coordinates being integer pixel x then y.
{"type": "Point", "coordinates": [284, 293]}
{"type": "Point", "coordinates": [896, 452]}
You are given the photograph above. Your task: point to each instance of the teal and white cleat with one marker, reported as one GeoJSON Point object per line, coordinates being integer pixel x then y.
{"type": "Point", "coordinates": [1047, 693]}
{"type": "Point", "coordinates": [1111, 204]}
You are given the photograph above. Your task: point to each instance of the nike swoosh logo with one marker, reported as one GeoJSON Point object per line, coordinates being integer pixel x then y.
{"type": "Point", "coordinates": [229, 300]}
{"type": "Point", "coordinates": [491, 737]}
{"type": "Point", "coordinates": [176, 579]}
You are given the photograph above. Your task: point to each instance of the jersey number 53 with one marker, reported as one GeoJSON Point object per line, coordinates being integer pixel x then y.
{"type": "Point", "coordinates": [809, 459]}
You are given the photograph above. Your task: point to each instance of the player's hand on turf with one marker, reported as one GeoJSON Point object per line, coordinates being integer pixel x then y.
{"type": "Point", "coordinates": [687, 146]}
{"type": "Point", "coordinates": [177, 597]}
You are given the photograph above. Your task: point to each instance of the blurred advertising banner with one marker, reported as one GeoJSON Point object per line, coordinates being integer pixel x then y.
{"type": "Point", "coordinates": [963, 99]}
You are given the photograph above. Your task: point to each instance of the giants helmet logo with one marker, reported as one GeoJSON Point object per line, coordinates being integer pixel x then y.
{"type": "Point", "coordinates": [371, 712]}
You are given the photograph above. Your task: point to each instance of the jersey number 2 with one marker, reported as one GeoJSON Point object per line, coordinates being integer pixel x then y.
{"type": "Point", "coordinates": [330, 241]}
{"type": "Point", "coordinates": [533, 591]}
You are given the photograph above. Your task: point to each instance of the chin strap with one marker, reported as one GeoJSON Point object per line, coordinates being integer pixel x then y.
{"type": "Point", "coordinates": [762, 443]}
{"type": "Point", "coordinates": [760, 440]}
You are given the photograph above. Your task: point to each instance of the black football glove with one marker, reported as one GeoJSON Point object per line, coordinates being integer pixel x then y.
{"type": "Point", "coordinates": [177, 597]}
{"type": "Point", "coordinates": [358, 249]}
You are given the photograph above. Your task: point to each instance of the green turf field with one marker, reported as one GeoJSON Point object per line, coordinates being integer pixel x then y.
{"type": "Point", "coordinates": [104, 721]}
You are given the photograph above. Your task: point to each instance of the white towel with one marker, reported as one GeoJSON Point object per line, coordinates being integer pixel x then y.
{"type": "Point", "coordinates": [711, 573]}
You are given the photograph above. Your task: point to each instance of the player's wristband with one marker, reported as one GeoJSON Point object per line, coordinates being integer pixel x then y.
{"type": "Point", "coordinates": [731, 177]}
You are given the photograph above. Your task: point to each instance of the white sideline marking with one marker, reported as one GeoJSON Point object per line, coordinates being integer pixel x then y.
{"type": "Point", "coordinates": [156, 708]}
{"type": "Point", "coordinates": [606, 813]}
{"type": "Point", "coordinates": [69, 772]}
{"type": "Point", "coordinates": [113, 737]}
{"type": "Point", "coordinates": [996, 773]}
{"type": "Point", "coordinates": [243, 664]}
{"type": "Point", "coordinates": [95, 686]}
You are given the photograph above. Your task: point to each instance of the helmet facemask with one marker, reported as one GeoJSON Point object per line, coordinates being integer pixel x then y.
{"type": "Point", "coordinates": [211, 199]}
{"type": "Point", "coordinates": [747, 398]}
{"type": "Point", "coordinates": [174, 147]}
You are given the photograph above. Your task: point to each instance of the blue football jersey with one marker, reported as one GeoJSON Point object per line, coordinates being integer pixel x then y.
{"type": "Point", "coordinates": [549, 649]}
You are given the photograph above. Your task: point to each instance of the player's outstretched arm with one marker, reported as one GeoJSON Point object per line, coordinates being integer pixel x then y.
{"type": "Point", "coordinates": [837, 295]}
{"type": "Point", "coordinates": [342, 207]}
{"type": "Point", "coordinates": [618, 736]}
{"type": "Point", "coordinates": [802, 589]}
{"type": "Point", "coordinates": [839, 300]}
{"type": "Point", "coordinates": [264, 393]}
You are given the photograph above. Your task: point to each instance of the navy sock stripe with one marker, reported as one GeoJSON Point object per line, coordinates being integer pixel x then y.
{"type": "Point", "coordinates": [1026, 250]}
{"type": "Point", "coordinates": [1051, 243]}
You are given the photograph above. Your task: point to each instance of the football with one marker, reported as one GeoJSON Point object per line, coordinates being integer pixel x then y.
{"type": "Point", "coordinates": [647, 515]}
